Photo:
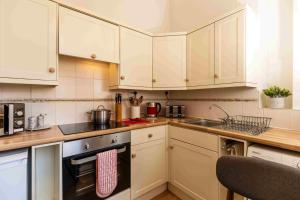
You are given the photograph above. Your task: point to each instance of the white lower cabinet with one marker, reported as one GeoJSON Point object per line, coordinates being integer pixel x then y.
{"type": "Point", "coordinates": [46, 172]}
{"type": "Point", "coordinates": [192, 163]}
{"type": "Point", "coordinates": [149, 162]}
{"type": "Point", "coordinates": [193, 170]}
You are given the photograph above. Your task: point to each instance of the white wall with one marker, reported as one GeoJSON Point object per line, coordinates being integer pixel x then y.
{"type": "Point", "coordinates": [186, 15]}
{"type": "Point", "coordinates": [275, 19]}
{"type": "Point", "coordinates": [149, 15]}
{"type": "Point", "coordinates": [296, 57]}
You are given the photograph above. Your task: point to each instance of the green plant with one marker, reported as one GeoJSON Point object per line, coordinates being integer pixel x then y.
{"type": "Point", "coordinates": [276, 91]}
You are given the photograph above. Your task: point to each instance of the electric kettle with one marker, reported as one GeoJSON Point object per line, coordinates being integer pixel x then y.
{"type": "Point", "coordinates": [153, 109]}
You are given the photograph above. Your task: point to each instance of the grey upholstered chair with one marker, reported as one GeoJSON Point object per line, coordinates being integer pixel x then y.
{"type": "Point", "coordinates": [258, 179]}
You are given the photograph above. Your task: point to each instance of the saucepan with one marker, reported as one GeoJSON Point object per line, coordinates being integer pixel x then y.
{"type": "Point", "coordinates": [100, 115]}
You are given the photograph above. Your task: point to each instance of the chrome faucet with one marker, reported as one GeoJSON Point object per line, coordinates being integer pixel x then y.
{"type": "Point", "coordinates": [222, 109]}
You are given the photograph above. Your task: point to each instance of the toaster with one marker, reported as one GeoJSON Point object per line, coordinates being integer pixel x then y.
{"type": "Point", "coordinates": [175, 111]}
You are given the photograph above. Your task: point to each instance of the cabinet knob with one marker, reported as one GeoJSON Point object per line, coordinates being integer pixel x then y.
{"type": "Point", "coordinates": [51, 69]}
{"type": "Point", "coordinates": [93, 56]}
{"type": "Point", "coordinates": [153, 80]}
{"type": "Point", "coordinates": [122, 77]}
{"type": "Point", "coordinates": [133, 155]}
{"type": "Point", "coordinates": [171, 147]}
{"type": "Point", "coordinates": [186, 80]}
{"type": "Point", "coordinates": [150, 136]}
{"type": "Point", "coordinates": [216, 76]}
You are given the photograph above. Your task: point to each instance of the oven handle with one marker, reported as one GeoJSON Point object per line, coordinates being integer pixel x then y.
{"type": "Point", "coordinates": [91, 158]}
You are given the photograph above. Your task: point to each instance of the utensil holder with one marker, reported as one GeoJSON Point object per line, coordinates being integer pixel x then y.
{"type": "Point", "coordinates": [135, 112]}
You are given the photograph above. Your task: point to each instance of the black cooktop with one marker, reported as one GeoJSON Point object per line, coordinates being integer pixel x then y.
{"type": "Point", "coordinates": [68, 129]}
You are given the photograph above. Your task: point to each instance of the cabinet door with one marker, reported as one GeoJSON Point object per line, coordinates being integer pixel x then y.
{"type": "Point", "coordinates": [135, 59]}
{"type": "Point", "coordinates": [169, 61]}
{"type": "Point", "coordinates": [87, 37]}
{"type": "Point", "coordinates": [193, 170]}
{"type": "Point", "coordinates": [230, 49]}
{"type": "Point", "coordinates": [200, 57]}
{"type": "Point", "coordinates": [148, 167]}
{"type": "Point", "coordinates": [28, 45]}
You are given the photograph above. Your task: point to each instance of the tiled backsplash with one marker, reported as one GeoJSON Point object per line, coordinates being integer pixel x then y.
{"type": "Point", "coordinates": [281, 118]}
{"type": "Point", "coordinates": [83, 85]}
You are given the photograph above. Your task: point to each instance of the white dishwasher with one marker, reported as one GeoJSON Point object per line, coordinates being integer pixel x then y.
{"type": "Point", "coordinates": [13, 175]}
{"type": "Point", "coordinates": [276, 155]}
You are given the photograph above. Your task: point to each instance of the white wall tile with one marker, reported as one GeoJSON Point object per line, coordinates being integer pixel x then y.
{"type": "Point", "coordinates": [85, 69]}
{"type": "Point", "coordinates": [84, 88]}
{"type": "Point", "coordinates": [67, 66]}
{"type": "Point", "coordinates": [48, 109]}
{"type": "Point", "coordinates": [101, 71]}
{"type": "Point", "coordinates": [43, 92]}
{"type": "Point", "coordinates": [65, 113]}
{"type": "Point", "coordinates": [81, 111]}
{"type": "Point", "coordinates": [11, 91]}
{"type": "Point", "coordinates": [252, 109]}
{"type": "Point", "coordinates": [281, 118]}
{"type": "Point", "coordinates": [66, 88]}
{"type": "Point", "coordinates": [101, 89]}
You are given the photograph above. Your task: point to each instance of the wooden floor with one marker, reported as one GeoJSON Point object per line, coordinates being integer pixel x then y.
{"type": "Point", "coordinates": [166, 196]}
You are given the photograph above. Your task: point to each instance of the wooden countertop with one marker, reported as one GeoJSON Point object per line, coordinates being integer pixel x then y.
{"type": "Point", "coordinates": [27, 138]}
{"type": "Point", "coordinates": [285, 139]}
{"type": "Point", "coordinates": [282, 138]}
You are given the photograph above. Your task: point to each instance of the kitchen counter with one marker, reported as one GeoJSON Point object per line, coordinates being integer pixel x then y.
{"type": "Point", "coordinates": [285, 139]}
{"type": "Point", "coordinates": [28, 138]}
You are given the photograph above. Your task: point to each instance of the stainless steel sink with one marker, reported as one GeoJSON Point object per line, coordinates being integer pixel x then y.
{"type": "Point", "coordinates": [204, 122]}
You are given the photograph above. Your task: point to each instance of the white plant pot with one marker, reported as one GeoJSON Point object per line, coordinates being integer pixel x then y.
{"type": "Point", "coordinates": [277, 102]}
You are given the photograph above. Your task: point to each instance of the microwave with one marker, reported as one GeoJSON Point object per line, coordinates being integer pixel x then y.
{"type": "Point", "coordinates": [12, 118]}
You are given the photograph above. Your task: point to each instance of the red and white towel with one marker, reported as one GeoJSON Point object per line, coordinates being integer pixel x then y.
{"type": "Point", "coordinates": [106, 175]}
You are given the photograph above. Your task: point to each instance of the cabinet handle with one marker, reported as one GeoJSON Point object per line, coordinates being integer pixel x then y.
{"type": "Point", "coordinates": [51, 69]}
{"type": "Point", "coordinates": [93, 56]}
{"type": "Point", "coordinates": [216, 76]}
{"type": "Point", "coordinates": [150, 136]}
{"type": "Point", "coordinates": [133, 155]}
{"type": "Point", "coordinates": [171, 147]}
{"type": "Point", "coordinates": [122, 77]}
{"type": "Point", "coordinates": [153, 80]}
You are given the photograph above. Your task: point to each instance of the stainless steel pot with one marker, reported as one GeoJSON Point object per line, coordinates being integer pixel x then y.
{"type": "Point", "coordinates": [101, 115]}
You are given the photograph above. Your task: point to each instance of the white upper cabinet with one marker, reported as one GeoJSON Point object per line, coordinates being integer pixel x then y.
{"type": "Point", "coordinates": [28, 42]}
{"type": "Point", "coordinates": [169, 62]}
{"type": "Point", "coordinates": [200, 57]}
{"type": "Point", "coordinates": [87, 37]}
{"type": "Point", "coordinates": [135, 69]}
{"type": "Point", "coordinates": [230, 49]}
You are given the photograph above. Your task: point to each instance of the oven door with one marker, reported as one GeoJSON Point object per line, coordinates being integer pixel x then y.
{"type": "Point", "coordinates": [79, 174]}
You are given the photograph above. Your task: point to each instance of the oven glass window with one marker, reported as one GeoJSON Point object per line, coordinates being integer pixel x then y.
{"type": "Point", "coordinates": [79, 181]}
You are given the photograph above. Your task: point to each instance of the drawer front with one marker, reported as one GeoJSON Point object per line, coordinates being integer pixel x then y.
{"type": "Point", "coordinates": [198, 138]}
{"type": "Point", "coordinates": [147, 134]}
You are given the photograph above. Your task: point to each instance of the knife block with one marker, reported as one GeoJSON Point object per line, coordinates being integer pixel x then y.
{"type": "Point", "coordinates": [118, 109]}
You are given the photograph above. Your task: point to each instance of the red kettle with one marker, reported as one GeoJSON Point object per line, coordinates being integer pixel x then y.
{"type": "Point", "coordinates": [153, 109]}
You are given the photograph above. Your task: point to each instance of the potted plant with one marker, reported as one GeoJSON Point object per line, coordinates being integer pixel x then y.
{"type": "Point", "coordinates": [277, 96]}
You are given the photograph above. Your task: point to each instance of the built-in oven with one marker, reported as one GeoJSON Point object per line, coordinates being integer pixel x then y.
{"type": "Point", "coordinates": [79, 165]}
